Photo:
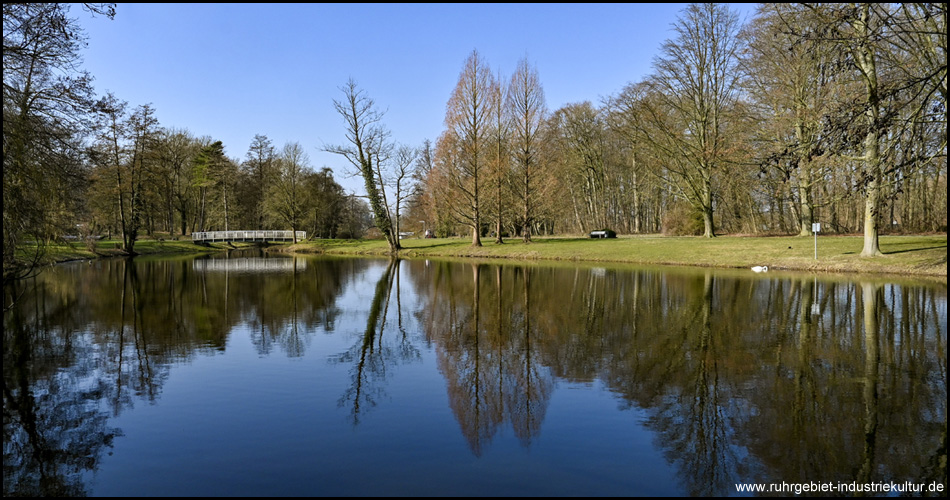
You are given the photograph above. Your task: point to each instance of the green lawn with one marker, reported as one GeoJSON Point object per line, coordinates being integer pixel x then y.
{"type": "Point", "coordinates": [920, 255]}
{"type": "Point", "coordinates": [924, 255]}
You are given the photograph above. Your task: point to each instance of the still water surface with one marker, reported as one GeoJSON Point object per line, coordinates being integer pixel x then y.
{"type": "Point", "coordinates": [279, 376]}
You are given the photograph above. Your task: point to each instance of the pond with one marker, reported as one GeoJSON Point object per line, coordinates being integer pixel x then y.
{"type": "Point", "coordinates": [262, 375]}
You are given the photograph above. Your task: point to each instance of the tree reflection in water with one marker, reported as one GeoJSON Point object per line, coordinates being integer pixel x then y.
{"type": "Point", "coordinates": [54, 425]}
{"type": "Point", "coordinates": [745, 380]}
{"type": "Point", "coordinates": [764, 379]}
{"type": "Point", "coordinates": [371, 356]}
{"type": "Point", "coordinates": [486, 350]}
{"type": "Point", "coordinates": [85, 341]}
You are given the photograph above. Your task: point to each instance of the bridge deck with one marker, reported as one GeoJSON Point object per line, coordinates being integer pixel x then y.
{"type": "Point", "coordinates": [247, 236]}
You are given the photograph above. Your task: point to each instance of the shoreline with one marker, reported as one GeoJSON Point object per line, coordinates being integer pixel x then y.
{"type": "Point", "coordinates": [916, 256]}
{"type": "Point", "coordinates": [910, 256]}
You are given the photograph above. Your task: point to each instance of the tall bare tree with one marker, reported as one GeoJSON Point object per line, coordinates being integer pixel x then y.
{"type": "Point", "coordinates": [527, 109]}
{"type": "Point", "coordinates": [419, 198]}
{"type": "Point", "coordinates": [401, 182]}
{"type": "Point", "coordinates": [696, 85]}
{"type": "Point", "coordinates": [646, 200]}
{"type": "Point", "coordinates": [126, 153]}
{"type": "Point", "coordinates": [863, 28]}
{"type": "Point", "coordinates": [109, 153]}
{"type": "Point", "coordinates": [468, 123]}
{"type": "Point", "coordinates": [287, 199]}
{"type": "Point", "coordinates": [900, 73]}
{"type": "Point", "coordinates": [368, 148]}
{"type": "Point", "coordinates": [794, 83]}
{"type": "Point", "coordinates": [500, 162]}
{"type": "Point", "coordinates": [578, 133]}
{"type": "Point", "coordinates": [143, 130]}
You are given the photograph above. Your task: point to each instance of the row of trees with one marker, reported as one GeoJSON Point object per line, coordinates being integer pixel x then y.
{"type": "Point", "coordinates": [811, 112]}
{"type": "Point", "coordinates": [146, 178]}
{"type": "Point", "coordinates": [832, 113]}
{"type": "Point", "coordinates": [75, 164]}
{"type": "Point", "coordinates": [45, 108]}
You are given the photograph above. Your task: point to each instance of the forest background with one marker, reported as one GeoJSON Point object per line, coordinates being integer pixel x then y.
{"type": "Point", "coordinates": [807, 112]}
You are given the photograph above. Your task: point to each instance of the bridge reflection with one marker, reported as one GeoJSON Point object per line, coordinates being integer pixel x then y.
{"type": "Point", "coordinates": [250, 264]}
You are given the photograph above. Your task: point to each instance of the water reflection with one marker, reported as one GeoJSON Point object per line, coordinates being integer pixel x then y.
{"type": "Point", "coordinates": [741, 379]}
{"type": "Point", "coordinates": [768, 379]}
{"type": "Point", "coordinates": [249, 265]}
{"type": "Point", "coordinates": [53, 423]}
{"type": "Point", "coordinates": [86, 341]}
{"type": "Point", "coordinates": [370, 357]}
{"type": "Point", "coordinates": [487, 348]}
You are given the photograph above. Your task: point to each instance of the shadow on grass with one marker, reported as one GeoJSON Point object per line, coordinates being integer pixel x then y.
{"type": "Point", "coordinates": [565, 240]}
{"type": "Point", "coordinates": [914, 250]}
{"type": "Point", "coordinates": [433, 245]}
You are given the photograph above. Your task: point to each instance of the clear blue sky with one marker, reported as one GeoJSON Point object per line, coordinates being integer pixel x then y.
{"type": "Point", "coordinates": [230, 71]}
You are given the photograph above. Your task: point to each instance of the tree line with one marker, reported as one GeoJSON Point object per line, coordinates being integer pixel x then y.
{"type": "Point", "coordinates": [830, 113]}
{"type": "Point", "coordinates": [808, 113]}
{"type": "Point", "coordinates": [84, 166]}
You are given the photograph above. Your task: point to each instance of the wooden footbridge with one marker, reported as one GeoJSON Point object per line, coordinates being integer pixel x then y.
{"type": "Point", "coordinates": [213, 236]}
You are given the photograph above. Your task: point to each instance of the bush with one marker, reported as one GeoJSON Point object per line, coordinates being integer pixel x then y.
{"type": "Point", "coordinates": [683, 220]}
{"type": "Point", "coordinates": [374, 234]}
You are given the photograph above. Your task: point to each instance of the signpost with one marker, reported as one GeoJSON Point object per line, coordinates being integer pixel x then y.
{"type": "Point", "coordinates": [815, 229]}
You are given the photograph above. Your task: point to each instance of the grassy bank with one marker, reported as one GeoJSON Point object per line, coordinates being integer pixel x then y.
{"type": "Point", "coordinates": [918, 255]}
{"type": "Point", "coordinates": [65, 252]}
{"type": "Point", "coordinates": [924, 255]}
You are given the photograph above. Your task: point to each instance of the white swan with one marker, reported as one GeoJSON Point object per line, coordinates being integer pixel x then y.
{"type": "Point", "coordinates": [760, 269]}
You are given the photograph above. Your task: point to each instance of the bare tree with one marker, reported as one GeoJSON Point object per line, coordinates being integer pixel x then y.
{"type": "Point", "coordinates": [794, 84]}
{"type": "Point", "coordinates": [286, 197]}
{"type": "Point", "coordinates": [900, 73]}
{"type": "Point", "coordinates": [402, 181]}
{"type": "Point", "coordinates": [468, 121]}
{"type": "Point", "coordinates": [578, 133]}
{"type": "Point", "coordinates": [143, 130]}
{"type": "Point", "coordinates": [500, 163]}
{"type": "Point", "coordinates": [367, 150]}
{"type": "Point", "coordinates": [862, 26]}
{"type": "Point", "coordinates": [527, 109]}
{"type": "Point", "coordinates": [109, 153]}
{"type": "Point", "coordinates": [432, 188]}
{"type": "Point", "coordinates": [696, 85]}
{"type": "Point", "coordinates": [126, 148]}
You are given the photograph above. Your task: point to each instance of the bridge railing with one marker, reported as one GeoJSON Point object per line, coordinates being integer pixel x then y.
{"type": "Point", "coordinates": [247, 236]}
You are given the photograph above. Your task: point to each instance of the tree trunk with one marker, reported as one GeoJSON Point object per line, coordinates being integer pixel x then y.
{"type": "Point", "coordinates": [526, 221]}
{"type": "Point", "coordinates": [807, 215]}
{"type": "Point", "coordinates": [709, 230]}
{"type": "Point", "coordinates": [872, 143]}
{"type": "Point", "coordinates": [225, 192]}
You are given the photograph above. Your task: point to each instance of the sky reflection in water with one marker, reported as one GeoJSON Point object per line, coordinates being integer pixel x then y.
{"type": "Point", "coordinates": [341, 376]}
